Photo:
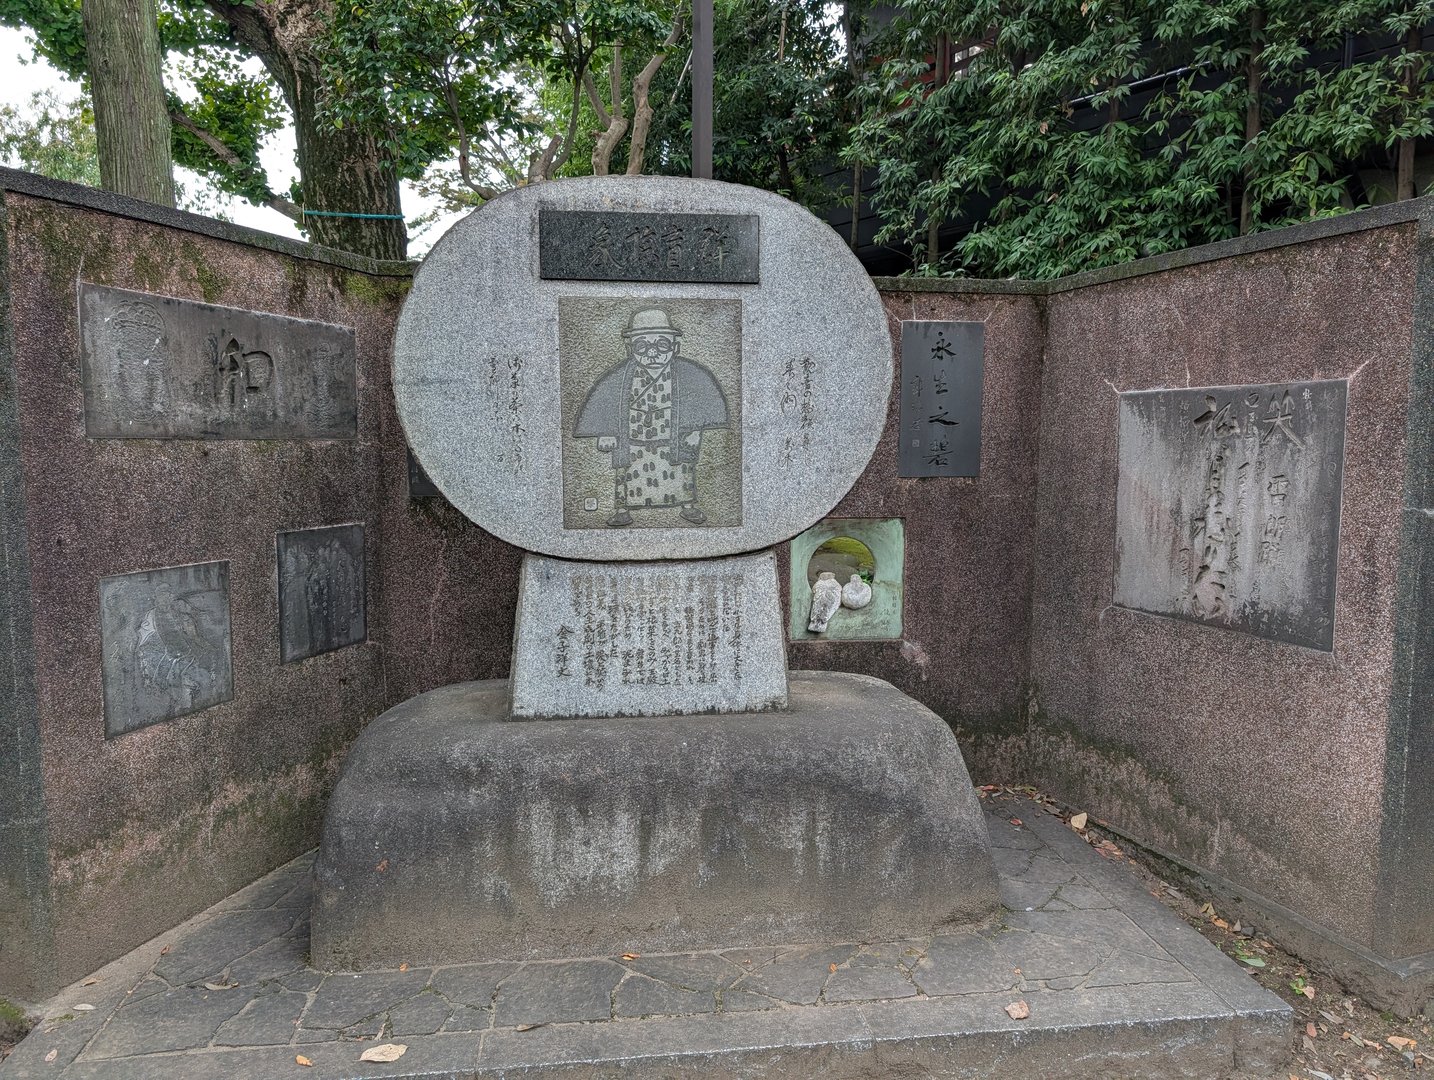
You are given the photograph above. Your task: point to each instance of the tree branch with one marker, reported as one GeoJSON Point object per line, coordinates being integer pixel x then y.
{"type": "Point", "coordinates": [226, 154]}
{"type": "Point", "coordinates": [641, 99]}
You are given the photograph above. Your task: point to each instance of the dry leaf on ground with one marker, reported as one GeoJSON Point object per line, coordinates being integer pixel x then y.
{"type": "Point", "coordinates": [83, 1008]}
{"type": "Point", "coordinates": [220, 986]}
{"type": "Point", "coordinates": [1078, 822]}
{"type": "Point", "coordinates": [530, 1027]}
{"type": "Point", "coordinates": [90, 981]}
{"type": "Point", "coordinates": [53, 1054]}
{"type": "Point", "coordinates": [632, 956]}
{"type": "Point", "coordinates": [1401, 1043]}
{"type": "Point", "coordinates": [299, 1059]}
{"type": "Point", "coordinates": [384, 1052]}
{"type": "Point", "coordinates": [403, 966]}
{"type": "Point", "coordinates": [1018, 1010]}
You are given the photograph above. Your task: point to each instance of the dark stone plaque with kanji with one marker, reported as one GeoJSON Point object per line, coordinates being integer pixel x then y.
{"type": "Point", "coordinates": [942, 370]}
{"type": "Point", "coordinates": [321, 591]}
{"type": "Point", "coordinates": [1228, 506]}
{"type": "Point", "coordinates": [600, 245]}
{"type": "Point", "coordinates": [156, 367]}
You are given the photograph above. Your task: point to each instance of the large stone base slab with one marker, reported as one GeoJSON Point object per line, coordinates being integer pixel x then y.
{"type": "Point", "coordinates": [456, 834]}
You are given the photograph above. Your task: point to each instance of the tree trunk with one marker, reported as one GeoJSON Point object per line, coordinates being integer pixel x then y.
{"type": "Point", "coordinates": [1254, 84]}
{"type": "Point", "coordinates": [342, 172]}
{"type": "Point", "coordinates": [131, 115]}
{"type": "Point", "coordinates": [1404, 183]}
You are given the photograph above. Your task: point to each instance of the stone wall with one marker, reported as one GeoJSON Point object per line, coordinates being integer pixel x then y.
{"type": "Point", "coordinates": [109, 839]}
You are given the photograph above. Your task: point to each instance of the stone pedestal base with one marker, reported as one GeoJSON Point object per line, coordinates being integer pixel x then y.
{"type": "Point", "coordinates": [457, 834]}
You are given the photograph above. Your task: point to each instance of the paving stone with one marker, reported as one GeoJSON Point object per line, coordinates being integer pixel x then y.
{"type": "Point", "coordinates": [182, 1019]}
{"type": "Point", "coordinates": [637, 995]}
{"type": "Point", "coordinates": [268, 1020]}
{"type": "Point", "coordinates": [798, 974]}
{"type": "Point", "coordinates": [1005, 835]}
{"type": "Point", "coordinates": [420, 1015]}
{"type": "Point", "coordinates": [1011, 863]}
{"type": "Point", "coordinates": [344, 1000]}
{"type": "Point", "coordinates": [148, 986]}
{"type": "Point", "coordinates": [264, 893]}
{"type": "Point", "coordinates": [903, 954]}
{"type": "Point", "coordinates": [1040, 957]}
{"type": "Point", "coordinates": [1084, 897]}
{"type": "Point", "coordinates": [65, 1037]}
{"type": "Point", "coordinates": [1111, 928]}
{"type": "Point", "coordinates": [303, 980]}
{"type": "Point", "coordinates": [689, 971]}
{"type": "Point", "coordinates": [372, 1027]}
{"type": "Point", "coordinates": [471, 984]}
{"type": "Point", "coordinates": [219, 942]}
{"type": "Point", "coordinates": [1126, 967]}
{"type": "Point", "coordinates": [868, 984]}
{"type": "Point", "coordinates": [285, 955]}
{"type": "Point", "coordinates": [1047, 868]}
{"type": "Point", "coordinates": [465, 1018]}
{"type": "Point", "coordinates": [1026, 895]}
{"type": "Point", "coordinates": [963, 964]}
{"type": "Point", "coordinates": [749, 959]}
{"type": "Point", "coordinates": [745, 1001]}
{"type": "Point", "coordinates": [549, 993]}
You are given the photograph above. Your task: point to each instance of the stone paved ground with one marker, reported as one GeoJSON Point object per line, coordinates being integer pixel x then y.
{"type": "Point", "coordinates": [1115, 986]}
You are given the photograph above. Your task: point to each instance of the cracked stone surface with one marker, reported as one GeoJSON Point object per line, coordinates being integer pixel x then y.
{"type": "Point", "coordinates": [1116, 985]}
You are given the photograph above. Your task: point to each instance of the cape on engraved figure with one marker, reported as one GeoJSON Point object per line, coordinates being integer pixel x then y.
{"type": "Point", "coordinates": [649, 412]}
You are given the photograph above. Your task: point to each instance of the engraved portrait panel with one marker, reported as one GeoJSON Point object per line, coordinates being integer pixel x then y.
{"type": "Point", "coordinates": [651, 412]}
{"type": "Point", "coordinates": [321, 591]}
{"type": "Point", "coordinates": [165, 645]}
{"type": "Point", "coordinates": [1228, 506]}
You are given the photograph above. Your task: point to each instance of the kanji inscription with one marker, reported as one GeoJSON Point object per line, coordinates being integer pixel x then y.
{"type": "Point", "coordinates": [598, 245]}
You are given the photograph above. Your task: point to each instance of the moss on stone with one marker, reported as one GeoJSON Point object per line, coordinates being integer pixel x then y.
{"type": "Point", "coordinates": [374, 290]}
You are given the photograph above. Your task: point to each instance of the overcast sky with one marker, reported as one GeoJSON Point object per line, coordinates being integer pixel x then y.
{"type": "Point", "coordinates": [23, 76]}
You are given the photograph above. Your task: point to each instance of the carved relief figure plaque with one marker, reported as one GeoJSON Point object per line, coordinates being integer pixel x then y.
{"type": "Point", "coordinates": [1228, 507]}
{"type": "Point", "coordinates": [942, 371]}
{"type": "Point", "coordinates": [321, 591]}
{"type": "Point", "coordinates": [651, 412]}
{"type": "Point", "coordinates": [156, 367]}
{"type": "Point", "coordinates": [606, 245]}
{"type": "Point", "coordinates": [165, 644]}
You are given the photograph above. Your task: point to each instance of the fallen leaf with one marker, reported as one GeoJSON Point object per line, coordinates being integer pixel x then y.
{"type": "Point", "coordinates": [1308, 992]}
{"type": "Point", "coordinates": [1015, 821]}
{"type": "Point", "coordinates": [1078, 822]}
{"type": "Point", "coordinates": [1331, 1017]}
{"type": "Point", "coordinates": [1018, 1010]}
{"type": "Point", "coordinates": [384, 1052]}
{"type": "Point", "coordinates": [83, 1008]}
{"type": "Point", "coordinates": [831, 967]}
{"type": "Point", "coordinates": [638, 956]}
{"type": "Point", "coordinates": [52, 1054]}
{"type": "Point", "coordinates": [403, 966]}
{"type": "Point", "coordinates": [529, 1027]}
{"type": "Point", "coordinates": [1221, 923]}
{"type": "Point", "coordinates": [1253, 961]}
{"type": "Point", "coordinates": [1208, 909]}
{"type": "Point", "coordinates": [1312, 1031]}
{"type": "Point", "coordinates": [164, 951]}
{"type": "Point", "coordinates": [1401, 1043]}
{"type": "Point", "coordinates": [1308, 1043]}
{"type": "Point", "coordinates": [381, 867]}
{"type": "Point", "coordinates": [90, 981]}
{"type": "Point", "coordinates": [220, 986]}
{"type": "Point", "coordinates": [299, 1059]}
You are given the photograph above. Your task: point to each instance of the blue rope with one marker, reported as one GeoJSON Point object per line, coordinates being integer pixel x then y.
{"type": "Point", "coordinates": [341, 213]}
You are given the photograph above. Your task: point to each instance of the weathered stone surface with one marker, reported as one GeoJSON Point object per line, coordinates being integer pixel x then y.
{"type": "Point", "coordinates": [778, 403]}
{"type": "Point", "coordinates": [166, 644]}
{"type": "Point", "coordinates": [156, 367]}
{"type": "Point", "coordinates": [608, 245]}
{"type": "Point", "coordinates": [1228, 506]}
{"type": "Point", "coordinates": [648, 639]}
{"type": "Point", "coordinates": [849, 815]}
{"type": "Point", "coordinates": [321, 590]}
{"type": "Point", "coordinates": [943, 368]}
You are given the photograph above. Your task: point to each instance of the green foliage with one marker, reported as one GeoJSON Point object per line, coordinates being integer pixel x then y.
{"type": "Point", "coordinates": [1035, 148]}
{"type": "Point", "coordinates": [52, 137]}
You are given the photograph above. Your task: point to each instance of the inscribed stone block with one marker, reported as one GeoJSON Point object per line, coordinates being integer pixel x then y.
{"type": "Point", "coordinates": [321, 590]}
{"type": "Point", "coordinates": [943, 368]}
{"type": "Point", "coordinates": [1228, 506]}
{"type": "Point", "coordinates": [648, 639]}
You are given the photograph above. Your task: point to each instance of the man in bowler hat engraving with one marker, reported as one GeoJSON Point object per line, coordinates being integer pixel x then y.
{"type": "Point", "coordinates": [649, 412]}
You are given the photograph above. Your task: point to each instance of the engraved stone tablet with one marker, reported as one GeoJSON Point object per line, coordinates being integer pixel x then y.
{"type": "Point", "coordinates": [160, 368]}
{"type": "Point", "coordinates": [648, 639]}
{"type": "Point", "coordinates": [165, 648]}
{"type": "Point", "coordinates": [942, 371]}
{"type": "Point", "coordinates": [610, 245]}
{"type": "Point", "coordinates": [321, 590]}
{"type": "Point", "coordinates": [1228, 507]}
{"type": "Point", "coordinates": [667, 420]}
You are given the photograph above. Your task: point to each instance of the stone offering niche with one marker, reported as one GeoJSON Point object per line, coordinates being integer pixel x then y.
{"type": "Point", "coordinates": [835, 546]}
{"type": "Point", "coordinates": [1228, 507]}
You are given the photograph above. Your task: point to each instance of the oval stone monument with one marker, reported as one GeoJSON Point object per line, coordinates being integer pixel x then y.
{"type": "Point", "coordinates": [646, 383]}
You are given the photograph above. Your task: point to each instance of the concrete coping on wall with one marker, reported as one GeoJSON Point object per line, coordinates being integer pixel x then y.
{"type": "Point", "coordinates": [1378, 217]}
{"type": "Point", "coordinates": [91, 198]}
